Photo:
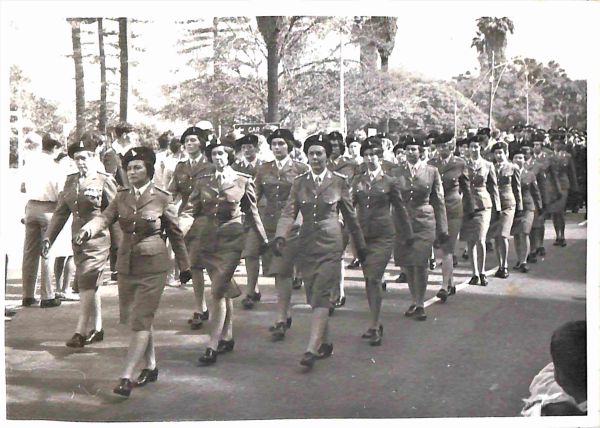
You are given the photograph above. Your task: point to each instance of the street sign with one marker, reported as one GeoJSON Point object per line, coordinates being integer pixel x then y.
{"type": "Point", "coordinates": [254, 128]}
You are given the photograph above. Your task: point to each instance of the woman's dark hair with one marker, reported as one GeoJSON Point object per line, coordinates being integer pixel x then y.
{"type": "Point", "coordinates": [228, 149]}
{"type": "Point", "coordinates": [175, 145]}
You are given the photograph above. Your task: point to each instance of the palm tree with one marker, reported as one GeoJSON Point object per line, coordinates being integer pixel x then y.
{"type": "Point", "coordinates": [79, 83]}
{"type": "Point", "coordinates": [491, 39]}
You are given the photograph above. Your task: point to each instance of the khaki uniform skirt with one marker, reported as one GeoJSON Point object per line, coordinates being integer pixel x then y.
{"type": "Point", "coordinates": [475, 226]}
{"type": "Point", "coordinates": [139, 297]}
{"type": "Point", "coordinates": [379, 251]}
{"type": "Point", "coordinates": [501, 223]}
{"type": "Point", "coordinates": [321, 274]}
{"type": "Point", "coordinates": [522, 225]}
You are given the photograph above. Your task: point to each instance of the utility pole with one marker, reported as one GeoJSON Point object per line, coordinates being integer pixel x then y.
{"type": "Point", "coordinates": [491, 92]}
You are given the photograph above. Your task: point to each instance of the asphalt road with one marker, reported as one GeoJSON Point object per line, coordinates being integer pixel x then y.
{"type": "Point", "coordinates": [474, 356]}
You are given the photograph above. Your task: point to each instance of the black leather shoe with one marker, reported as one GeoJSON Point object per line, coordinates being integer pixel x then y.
{"type": "Point", "coordinates": [377, 338]}
{"type": "Point", "coordinates": [465, 255]}
{"type": "Point", "coordinates": [420, 314]}
{"type": "Point", "coordinates": [209, 357]}
{"type": "Point", "coordinates": [369, 333]}
{"type": "Point", "coordinates": [195, 321]}
{"type": "Point", "coordinates": [124, 387]}
{"type": "Point", "coordinates": [402, 278]}
{"type": "Point", "coordinates": [77, 341]}
{"type": "Point", "coordinates": [451, 290]}
{"type": "Point", "coordinates": [225, 346]}
{"type": "Point", "coordinates": [255, 296]}
{"type": "Point", "coordinates": [325, 351]}
{"type": "Point", "coordinates": [532, 258]}
{"type": "Point", "coordinates": [410, 311]}
{"type": "Point", "coordinates": [354, 264]}
{"type": "Point", "coordinates": [288, 322]}
{"type": "Point", "coordinates": [308, 360]}
{"type": "Point", "coordinates": [474, 280]}
{"type": "Point", "coordinates": [28, 301]}
{"type": "Point", "coordinates": [384, 285]}
{"type": "Point", "coordinates": [563, 242]}
{"type": "Point", "coordinates": [442, 295]}
{"type": "Point", "coordinates": [341, 302]}
{"type": "Point", "coordinates": [278, 331]}
{"type": "Point", "coordinates": [297, 284]}
{"type": "Point", "coordinates": [541, 251]}
{"type": "Point", "coordinates": [502, 273]}
{"type": "Point", "coordinates": [331, 311]}
{"type": "Point", "coordinates": [50, 303]}
{"type": "Point", "coordinates": [524, 268]}
{"type": "Point", "coordinates": [483, 280]}
{"type": "Point", "coordinates": [498, 273]}
{"type": "Point", "coordinates": [114, 276]}
{"type": "Point", "coordinates": [147, 376]}
{"type": "Point", "coordinates": [94, 336]}
{"type": "Point", "coordinates": [454, 261]}
{"type": "Point", "coordinates": [204, 315]}
{"type": "Point", "coordinates": [489, 247]}
{"type": "Point", "coordinates": [517, 266]}
{"type": "Point", "coordinates": [247, 302]}
{"type": "Point", "coordinates": [432, 264]}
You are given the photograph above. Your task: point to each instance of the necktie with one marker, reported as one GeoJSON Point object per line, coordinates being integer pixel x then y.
{"type": "Point", "coordinates": [220, 180]}
{"type": "Point", "coordinates": [279, 165]}
{"type": "Point", "coordinates": [137, 194]}
{"type": "Point", "coordinates": [318, 182]}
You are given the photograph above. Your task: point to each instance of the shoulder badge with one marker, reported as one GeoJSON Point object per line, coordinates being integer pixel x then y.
{"type": "Point", "coordinates": [241, 174]}
{"type": "Point", "coordinates": [339, 174]}
{"type": "Point", "coordinates": [166, 192]}
{"type": "Point", "coordinates": [123, 189]}
{"type": "Point", "coordinates": [304, 174]}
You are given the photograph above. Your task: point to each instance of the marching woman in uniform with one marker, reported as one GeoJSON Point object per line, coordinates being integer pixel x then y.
{"type": "Point", "coordinates": [422, 192]}
{"type": "Point", "coordinates": [564, 167]}
{"type": "Point", "coordinates": [144, 211]}
{"type": "Point", "coordinates": [484, 193]}
{"type": "Point", "coordinates": [532, 201]}
{"type": "Point", "coordinates": [194, 141]}
{"type": "Point", "coordinates": [457, 198]}
{"type": "Point", "coordinates": [218, 238]}
{"type": "Point", "coordinates": [274, 181]}
{"type": "Point", "coordinates": [86, 194]}
{"type": "Point", "coordinates": [319, 195]}
{"type": "Point", "coordinates": [373, 193]}
{"type": "Point", "coordinates": [508, 176]}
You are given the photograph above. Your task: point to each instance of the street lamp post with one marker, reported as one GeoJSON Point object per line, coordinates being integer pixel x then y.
{"type": "Point", "coordinates": [491, 92]}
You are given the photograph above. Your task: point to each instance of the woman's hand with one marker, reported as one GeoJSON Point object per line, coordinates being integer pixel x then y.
{"type": "Point", "coordinates": [81, 236]}
{"type": "Point", "coordinates": [278, 246]}
{"type": "Point", "coordinates": [45, 248]}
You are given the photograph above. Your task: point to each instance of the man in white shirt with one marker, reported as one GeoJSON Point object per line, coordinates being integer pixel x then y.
{"type": "Point", "coordinates": [42, 180]}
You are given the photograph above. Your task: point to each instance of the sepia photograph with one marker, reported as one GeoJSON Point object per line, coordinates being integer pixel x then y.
{"type": "Point", "coordinates": [317, 212]}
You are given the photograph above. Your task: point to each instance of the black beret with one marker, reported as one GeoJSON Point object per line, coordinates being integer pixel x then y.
{"type": "Point", "coordinates": [194, 130]}
{"type": "Point", "coordinates": [444, 137]}
{"type": "Point", "coordinates": [557, 136]}
{"type": "Point", "coordinates": [282, 133]}
{"type": "Point", "coordinates": [246, 139]}
{"type": "Point", "coordinates": [518, 127]}
{"type": "Point", "coordinates": [351, 139]}
{"type": "Point", "coordinates": [484, 131]}
{"type": "Point", "coordinates": [335, 136]}
{"type": "Point", "coordinates": [51, 137]}
{"type": "Point", "coordinates": [399, 146]}
{"type": "Point", "coordinates": [497, 146]}
{"type": "Point", "coordinates": [417, 140]}
{"type": "Point", "coordinates": [526, 146]}
{"type": "Point", "coordinates": [87, 143]}
{"type": "Point", "coordinates": [463, 141]}
{"type": "Point", "coordinates": [433, 134]}
{"type": "Point", "coordinates": [216, 143]}
{"type": "Point", "coordinates": [123, 128]}
{"type": "Point", "coordinates": [142, 153]}
{"type": "Point", "coordinates": [371, 143]}
{"type": "Point", "coordinates": [318, 140]}
{"type": "Point", "coordinates": [538, 137]}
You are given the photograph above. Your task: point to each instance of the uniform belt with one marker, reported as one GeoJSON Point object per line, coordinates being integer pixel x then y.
{"type": "Point", "coordinates": [42, 202]}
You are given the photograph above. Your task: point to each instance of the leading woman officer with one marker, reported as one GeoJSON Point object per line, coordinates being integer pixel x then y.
{"type": "Point", "coordinates": [319, 195]}
{"type": "Point", "coordinates": [143, 211]}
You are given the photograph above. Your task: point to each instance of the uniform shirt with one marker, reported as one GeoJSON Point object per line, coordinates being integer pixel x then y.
{"type": "Point", "coordinates": [509, 185]}
{"type": "Point", "coordinates": [43, 177]}
{"type": "Point", "coordinates": [138, 192]}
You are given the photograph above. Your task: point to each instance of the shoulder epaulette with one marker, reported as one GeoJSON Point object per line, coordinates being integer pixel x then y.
{"type": "Point", "coordinates": [339, 175]}
{"type": "Point", "coordinates": [198, 177]}
{"type": "Point", "coordinates": [241, 174]}
{"type": "Point", "coordinates": [166, 192]}
{"type": "Point", "coordinates": [123, 189]}
{"type": "Point", "coordinates": [106, 174]}
{"type": "Point", "coordinates": [73, 174]}
{"type": "Point", "coordinates": [302, 175]}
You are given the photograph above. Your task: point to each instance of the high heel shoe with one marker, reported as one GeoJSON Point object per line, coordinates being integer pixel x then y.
{"type": "Point", "coordinates": [308, 360]}
{"type": "Point", "coordinates": [369, 333]}
{"type": "Point", "coordinates": [420, 314]}
{"type": "Point", "coordinates": [325, 351]}
{"type": "Point", "coordinates": [147, 376]}
{"type": "Point", "coordinates": [474, 280]}
{"type": "Point", "coordinates": [483, 279]}
{"type": "Point", "coordinates": [442, 294]}
{"type": "Point", "coordinates": [124, 387]}
{"type": "Point", "coordinates": [377, 338]}
{"type": "Point", "coordinates": [94, 336]}
{"type": "Point", "coordinates": [410, 311]}
{"type": "Point", "coordinates": [209, 357]}
{"type": "Point", "coordinates": [77, 341]}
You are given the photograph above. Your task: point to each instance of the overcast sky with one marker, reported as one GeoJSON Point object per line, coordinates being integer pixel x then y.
{"type": "Point", "coordinates": [433, 39]}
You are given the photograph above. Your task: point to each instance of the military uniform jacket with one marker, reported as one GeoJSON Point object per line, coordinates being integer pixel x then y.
{"type": "Point", "coordinates": [245, 167]}
{"type": "Point", "coordinates": [455, 181]}
{"type": "Point", "coordinates": [564, 166]}
{"type": "Point", "coordinates": [546, 175]}
{"type": "Point", "coordinates": [85, 199]}
{"type": "Point", "coordinates": [182, 183]}
{"type": "Point", "coordinates": [530, 192]}
{"type": "Point", "coordinates": [484, 186]}
{"type": "Point", "coordinates": [343, 166]}
{"type": "Point", "coordinates": [423, 197]}
{"type": "Point", "coordinates": [275, 186]}
{"type": "Point", "coordinates": [372, 200]}
{"type": "Point", "coordinates": [142, 249]}
{"type": "Point", "coordinates": [509, 185]}
{"type": "Point", "coordinates": [386, 166]}
{"type": "Point", "coordinates": [218, 209]}
{"type": "Point", "coordinates": [321, 231]}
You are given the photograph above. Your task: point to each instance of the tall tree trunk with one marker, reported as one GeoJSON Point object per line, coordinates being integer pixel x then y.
{"type": "Point", "coordinates": [124, 69]}
{"type": "Point", "coordinates": [217, 61]}
{"type": "Point", "coordinates": [272, 83]}
{"type": "Point", "coordinates": [79, 82]}
{"type": "Point", "coordinates": [103, 114]}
